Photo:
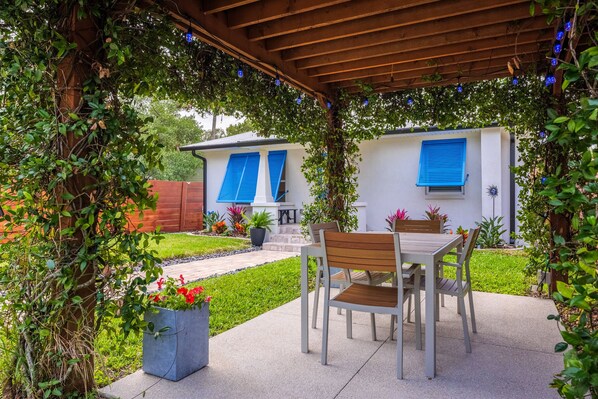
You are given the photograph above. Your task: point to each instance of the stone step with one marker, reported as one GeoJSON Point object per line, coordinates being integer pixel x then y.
{"type": "Point", "coordinates": [289, 238]}
{"type": "Point", "coordinates": [285, 247]}
{"type": "Point", "coordinates": [289, 229]}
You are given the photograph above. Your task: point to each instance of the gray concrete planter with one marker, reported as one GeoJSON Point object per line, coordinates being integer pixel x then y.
{"type": "Point", "coordinates": [183, 349]}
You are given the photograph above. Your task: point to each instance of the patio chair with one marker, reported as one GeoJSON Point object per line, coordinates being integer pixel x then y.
{"type": "Point", "coordinates": [459, 287]}
{"type": "Point", "coordinates": [343, 278]}
{"type": "Point", "coordinates": [374, 253]}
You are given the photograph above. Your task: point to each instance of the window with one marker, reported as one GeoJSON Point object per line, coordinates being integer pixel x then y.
{"type": "Point", "coordinates": [442, 165]}
{"type": "Point", "coordinates": [276, 163]}
{"type": "Point", "coordinates": [240, 180]}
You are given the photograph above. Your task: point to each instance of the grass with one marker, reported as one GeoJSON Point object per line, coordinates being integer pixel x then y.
{"type": "Point", "coordinates": [247, 294]}
{"type": "Point", "coordinates": [184, 245]}
{"type": "Point", "coordinates": [238, 298]}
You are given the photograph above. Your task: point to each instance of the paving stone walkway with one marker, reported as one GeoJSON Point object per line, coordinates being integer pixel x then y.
{"type": "Point", "coordinates": [205, 268]}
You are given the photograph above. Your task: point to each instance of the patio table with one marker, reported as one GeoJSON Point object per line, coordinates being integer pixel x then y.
{"type": "Point", "coordinates": [423, 248]}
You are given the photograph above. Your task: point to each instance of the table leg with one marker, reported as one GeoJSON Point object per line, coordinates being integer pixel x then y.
{"type": "Point", "coordinates": [431, 319]}
{"type": "Point", "coordinates": [304, 301]}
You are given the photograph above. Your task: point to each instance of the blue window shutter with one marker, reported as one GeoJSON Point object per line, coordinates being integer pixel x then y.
{"type": "Point", "coordinates": [276, 161]}
{"type": "Point", "coordinates": [240, 178]}
{"type": "Point", "coordinates": [442, 163]}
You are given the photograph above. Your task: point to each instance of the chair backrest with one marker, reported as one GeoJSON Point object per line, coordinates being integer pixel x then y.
{"type": "Point", "coordinates": [469, 245]}
{"type": "Point", "coordinates": [314, 230]}
{"type": "Point", "coordinates": [419, 226]}
{"type": "Point", "coordinates": [370, 252]}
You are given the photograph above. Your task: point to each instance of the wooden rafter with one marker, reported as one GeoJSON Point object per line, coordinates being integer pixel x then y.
{"type": "Point", "coordinates": [333, 15]}
{"type": "Point", "coordinates": [268, 10]}
{"type": "Point", "coordinates": [409, 17]}
{"type": "Point", "coordinates": [214, 6]}
{"type": "Point", "coordinates": [475, 34]}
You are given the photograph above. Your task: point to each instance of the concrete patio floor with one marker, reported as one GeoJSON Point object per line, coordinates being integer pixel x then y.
{"type": "Point", "coordinates": [512, 357]}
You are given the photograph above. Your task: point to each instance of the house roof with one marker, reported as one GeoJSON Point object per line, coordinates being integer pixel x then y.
{"type": "Point", "coordinates": [320, 46]}
{"type": "Point", "coordinates": [252, 139]}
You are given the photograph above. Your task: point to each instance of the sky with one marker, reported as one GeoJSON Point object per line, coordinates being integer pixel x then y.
{"type": "Point", "coordinates": [222, 122]}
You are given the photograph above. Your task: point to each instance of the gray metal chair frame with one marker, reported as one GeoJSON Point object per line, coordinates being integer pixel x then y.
{"type": "Point", "coordinates": [343, 278]}
{"type": "Point", "coordinates": [458, 287]}
{"type": "Point", "coordinates": [371, 252]}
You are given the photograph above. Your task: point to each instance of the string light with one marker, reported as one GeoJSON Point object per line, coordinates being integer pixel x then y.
{"type": "Point", "coordinates": [328, 104]}
{"type": "Point", "coordinates": [542, 134]}
{"type": "Point", "coordinates": [459, 88]}
{"type": "Point", "coordinates": [277, 80]}
{"type": "Point", "coordinates": [189, 34]}
{"type": "Point", "coordinates": [554, 62]}
{"type": "Point", "coordinates": [298, 100]}
{"type": "Point", "coordinates": [543, 180]}
{"type": "Point", "coordinates": [568, 26]}
{"type": "Point", "coordinates": [550, 80]}
{"type": "Point", "coordinates": [240, 72]}
{"type": "Point", "coordinates": [366, 102]}
{"type": "Point", "coordinates": [515, 81]}
{"type": "Point", "coordinates": [559, 35]}
{"type": "Point", "coordinates": [409, 100]}
{"type": "Point", "coordinates": [557, 48]}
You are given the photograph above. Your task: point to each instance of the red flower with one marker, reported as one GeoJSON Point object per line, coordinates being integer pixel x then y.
{"type": "Point", "coordinates": [197, 290]}
{"type": "Point", "coordinates": [208, 299]}
{"type": "Point", "coordinates": [182, 290]}
{"type": "Point", "coordinates": [155, 298]}
{"type": "Point", "coordinates": [160, 283]}
{"type": "Point", "coordinates": [182, 279]}
{"type": "Point", "coordinates": [189, 298]}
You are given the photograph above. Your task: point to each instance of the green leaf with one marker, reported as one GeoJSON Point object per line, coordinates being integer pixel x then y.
{"type": "Point", "coordinates": [565, 290]}
{"type": "Point", "coordinates": [532, 8]}
{"type": "Point", "coordinates": [559, 240]}
{"type": "Point", "coordinates": [561, 347]}
{"type": "Point", "coordinates": [50, 264]}
{"type": "Point", "coordinates": [561, 119]}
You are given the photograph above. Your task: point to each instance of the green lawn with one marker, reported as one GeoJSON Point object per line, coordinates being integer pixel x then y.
{"type": "Point", "coordinates": [242, 296]}
{"type": "Point", "coordinates": [181, 245]}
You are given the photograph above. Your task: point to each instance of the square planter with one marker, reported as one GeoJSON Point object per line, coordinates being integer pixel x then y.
{"type": "Point", "coordinates": [183, 349]}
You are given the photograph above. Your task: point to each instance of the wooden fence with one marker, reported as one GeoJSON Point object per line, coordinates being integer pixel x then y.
{"type": "Point", "coordinates": [179, 208]}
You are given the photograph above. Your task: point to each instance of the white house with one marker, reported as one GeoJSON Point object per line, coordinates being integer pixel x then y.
{"type": "Point", "coordinates": [409, 169]}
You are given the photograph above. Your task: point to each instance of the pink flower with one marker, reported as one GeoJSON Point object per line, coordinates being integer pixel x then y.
{"type": "Point", "coordinates": [208, 299]}
{"type": "Point", "coordinates": [182, 279]}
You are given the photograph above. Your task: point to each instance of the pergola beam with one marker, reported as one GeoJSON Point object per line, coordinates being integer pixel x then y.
{"type": "Point", "coordinates": [213, 30]}
{"type": "Point", "coordinates": [408, 17]}
{"type": "Point", "coordinates": [469, 35]}
{"type": "Point", "coordinates": [352, 10]}
{"type": "Point", "coordinates": [391, 70]}
{"type": "Point", "coordinates": [267, 10]}
{"type": "Point", "coordinates": [431, 28]}
{"type": "Point", "coordinates": [214, 6]}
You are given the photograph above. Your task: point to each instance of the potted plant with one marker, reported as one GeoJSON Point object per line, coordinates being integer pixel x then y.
{"type": "Point", "coordinates": [177, 338]}
{"type": "Point", "coordinates": [258, 223]}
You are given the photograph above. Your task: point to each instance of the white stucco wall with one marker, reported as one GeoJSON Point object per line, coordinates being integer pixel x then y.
{"type": "Point", "coordinates": [388, 174]}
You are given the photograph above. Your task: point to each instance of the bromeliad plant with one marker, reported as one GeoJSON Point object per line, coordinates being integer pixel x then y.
{"type": "Point", "coordinates": [433, 213]}
{"type": "Point", "coordinates": [235, 218]}
{"type": "Point", "coordinates": [491, 231]}
{"type": "Point", "coordinates": [177, 297]}
{"type": "Point", "coordinates": [211, 219]}
{"type": "Point", "coordinates": [399, 214]}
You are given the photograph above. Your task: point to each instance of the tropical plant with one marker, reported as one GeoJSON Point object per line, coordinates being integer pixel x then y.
{"type": "Point", "coordinates": [399, 214]}
{"type": "Point", "coordinates": [219, 227]}
{"type": "Point", "coordinates": [175, 297]}
{"type": "Point", "coordinates": [464, 233]}
{"type": "Point", "coordinates": [235, 215]}
{"type": "Point", "coordinates": [210, 219]}
{"type": "Point", "coordinates": [260, 220]}
{"type": "Point", "coordinates": [433, 213]}
{"type": "Point", "coordinates": [491, 231]}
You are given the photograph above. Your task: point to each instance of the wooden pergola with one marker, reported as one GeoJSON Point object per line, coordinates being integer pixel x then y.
{"type": "Point", "coordinates": [320, 46]}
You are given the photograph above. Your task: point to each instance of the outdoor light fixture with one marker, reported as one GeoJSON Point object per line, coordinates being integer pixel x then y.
{"type": "Point", "coordinates": [557, 48]}
{"type": "Point", "coordinates": [409, 100]}
{"type": "Point", "coordinates": [298, 100]}
{"type": "Point", "coordinates": [550, 80]}
{"type": "Point", "coordinates": [240, 72]}
{"type": "Point", "coordinates": [459, 88]}
{"type": "Point", "coordinates": [559, 35]}
{"type": "Point", "coordinates": [189, 35]}
{"type": "Point", "coordinates": [515, 81]}
{"type": "Point", "coordinates": [554, 62]}
{"type": "Point", "coordinates": [568, 26]}
{"type": "Point", "coordinates": [328, 104]}
{"type": "Point", "coordinates": [366, 102]}
{"type": "Point", "coordinates": [542, 134]}
{"type": "Point", "coordinates": [277, 80]}
{"type": "Point", "coordinates": [543, 180]}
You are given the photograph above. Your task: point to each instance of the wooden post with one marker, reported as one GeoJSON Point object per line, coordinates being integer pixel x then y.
{"type": "Point", "coordinates": [183, 208]}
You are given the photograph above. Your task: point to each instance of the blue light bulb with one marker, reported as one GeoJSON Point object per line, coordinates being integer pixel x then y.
{"type": "Point", "coordinates": [409, 100]}
{"type": "Point", "coordinates": [459, 88]}
{"type": "Point", "coordinates": [328, 104]}
{"type": "Point", "coordinates": [542, 134]}
{"type": "Point", "coordinates": [515, 81]}
{"type": "Point", "coordinates": [557, 48]}
{"type": "Point", "coordinates": [299, 100]}
{"type": "Point", "coordinates": [568, 26]}
{"type": "Point", "coordinates": [554, 62]}
{"type": "Point", "coordinates": [277, 82]}
{"type": "Point", "coordinates": [549, 80]}
{"type": "Point", "coordinates": [559, 35]}
{"type": "Point", "coordinates": [543, 180]}
{"type": "Point", "coordinates": [240, 73]}
{"type": "Point", "coordinates": [189, 35]}
{"type": "Point", "coordinates": [366, 102]}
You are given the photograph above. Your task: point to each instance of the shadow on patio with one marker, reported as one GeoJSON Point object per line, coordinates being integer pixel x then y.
{"type": "Point", "coordinates": [512, 357]}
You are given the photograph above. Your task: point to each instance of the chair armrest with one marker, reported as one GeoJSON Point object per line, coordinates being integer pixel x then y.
{"type": "Point", "coordinates": [457, 265]}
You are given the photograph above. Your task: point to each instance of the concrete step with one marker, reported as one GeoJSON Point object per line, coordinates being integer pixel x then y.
{"type": "Point", "coordinates": [289, 229]}
{"type": "Point", "coordinates": [289, 238]}
{"type": "Point", "coordinates": [279, 246]}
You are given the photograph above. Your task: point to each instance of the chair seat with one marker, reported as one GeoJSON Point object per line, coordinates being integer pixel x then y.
{"type": "Point", "coordinates": [446, 286]}
{"type": "Point", "coordinates": [369, 295]}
